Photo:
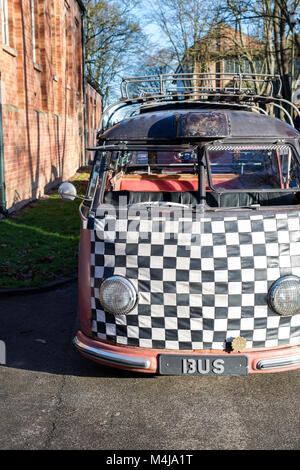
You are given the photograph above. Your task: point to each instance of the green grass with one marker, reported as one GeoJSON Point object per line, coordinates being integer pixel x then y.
{"type": "Point", "coordinates": [39, 244]}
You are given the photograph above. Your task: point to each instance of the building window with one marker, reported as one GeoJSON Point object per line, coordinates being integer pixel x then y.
{"type": "Point", "coordinates": [32, 5]}
{"type": "Point", "coordinates": [67, 43]}
{"type": "Point", "coordinates": [234, 66]}
{"type": "Point", "coordinates": [35, 31]}
{"type": "Point", "coordinates": [69, 60]}
{"type": "Point", "coordinates": [5, 26]}
{"type": "Point", "coordinates": [231, 66]}
{"type": "Point", "coordinates": [78, 52]}
{"type": "Point", "coordinates": [53, 40]}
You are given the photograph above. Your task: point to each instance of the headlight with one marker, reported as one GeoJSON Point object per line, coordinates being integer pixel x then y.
{"type": "Point", "coordinates": [117, 295]}
{"type": "Point", "coordinates": [284, 296]}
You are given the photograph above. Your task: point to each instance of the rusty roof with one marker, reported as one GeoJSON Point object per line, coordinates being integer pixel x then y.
{"type": "Point", "coordinates": [198, 123]}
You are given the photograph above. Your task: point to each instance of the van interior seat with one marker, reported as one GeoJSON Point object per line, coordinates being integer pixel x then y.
{"type": "Point", "coordinates": [169, 182]}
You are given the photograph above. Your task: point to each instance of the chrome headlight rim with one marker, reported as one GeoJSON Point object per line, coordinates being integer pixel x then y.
{"type": "Point", "coordinates": [130, 287]}
{"type": "Point", "coordinates": [273, 289]}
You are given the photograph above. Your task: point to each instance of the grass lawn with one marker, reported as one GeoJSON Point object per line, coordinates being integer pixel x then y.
{"type": "Point", "coordinates": [39, 244]}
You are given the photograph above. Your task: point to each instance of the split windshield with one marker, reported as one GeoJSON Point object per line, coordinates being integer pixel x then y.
{"type": "Point", "coordinates": [232, 168]}
{"type": "Point", "coordinates": [253, 167]}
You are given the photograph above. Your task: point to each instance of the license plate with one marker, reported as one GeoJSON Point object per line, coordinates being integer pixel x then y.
{"type": "Point", "coordinates": [175, 364]}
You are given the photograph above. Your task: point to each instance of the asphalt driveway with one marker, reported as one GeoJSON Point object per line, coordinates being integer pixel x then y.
{"type": "Point", "coordinates": [52, 398]}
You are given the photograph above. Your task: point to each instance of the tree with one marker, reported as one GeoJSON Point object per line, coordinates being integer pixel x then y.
{"type": "Point", "coordinates": [113, 39]}
{"type": "Point", "coordinates": [272, 18]}
{"type": "Point", "coordinates": [183, 23]}
{"type": "Point", "coordinates": [155, 61]}
{"type": "Point", "coordinates": [262, 35]}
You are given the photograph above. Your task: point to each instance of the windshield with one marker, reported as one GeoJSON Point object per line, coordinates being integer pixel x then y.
{"type": "Point", "coordinates": [253, 167]}
{"type": "Point", "coordinates": [236, 176]}
{"type": "Point", "coordinates": [163, 161]}
{"type": "Point", "coordinates": [161, 158]}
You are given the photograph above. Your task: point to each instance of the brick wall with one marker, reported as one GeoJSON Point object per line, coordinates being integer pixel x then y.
{"type": "Point", "coordinates": [42, 96]}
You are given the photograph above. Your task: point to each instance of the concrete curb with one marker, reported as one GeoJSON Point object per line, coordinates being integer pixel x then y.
{"type": "Point", "coordinates": [38, 289]}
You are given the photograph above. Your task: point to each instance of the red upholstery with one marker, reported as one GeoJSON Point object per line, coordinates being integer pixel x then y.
{"type": "Point", "coordinates": [168, 182]}
{"type": "Point", "coordinates": [159, 183]}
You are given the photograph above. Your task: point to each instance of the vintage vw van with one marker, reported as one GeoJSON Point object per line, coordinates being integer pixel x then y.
{"type": "Point", "coordinates": [190, 240]}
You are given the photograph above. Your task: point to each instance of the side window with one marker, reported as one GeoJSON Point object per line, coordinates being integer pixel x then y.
{"type": "Point", "coordinates": [290, 169]}
{"type": "Point", "coordinates": [94, 176]}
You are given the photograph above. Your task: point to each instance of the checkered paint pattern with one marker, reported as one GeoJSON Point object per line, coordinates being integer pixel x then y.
{"type": "Point", "coordinates": [200, 283]}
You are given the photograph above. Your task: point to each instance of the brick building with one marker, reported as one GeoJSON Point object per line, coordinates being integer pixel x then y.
{"type": "Point", "coordinates": [223, 50]}
{"type": "Point", "coordinates": [43, 112]}
{"type": "Point", "coordinates": [93, 114]}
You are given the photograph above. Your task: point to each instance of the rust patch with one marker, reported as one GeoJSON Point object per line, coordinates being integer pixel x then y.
{"type": "Point", "coordinates": [204, 125]}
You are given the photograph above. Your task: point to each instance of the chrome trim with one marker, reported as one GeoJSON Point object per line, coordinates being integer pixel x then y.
{"type": "Point", "coordinates": [112, 358]}
{"type": "Point", "coordinates": [278, 362]}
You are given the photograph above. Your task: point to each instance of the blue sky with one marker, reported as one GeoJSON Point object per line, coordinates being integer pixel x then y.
{"type": "Point", "coordinates": [143, 13]}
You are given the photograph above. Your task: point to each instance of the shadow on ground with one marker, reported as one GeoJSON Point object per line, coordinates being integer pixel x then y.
{"type": "Point", "coordinates": [38, 330]}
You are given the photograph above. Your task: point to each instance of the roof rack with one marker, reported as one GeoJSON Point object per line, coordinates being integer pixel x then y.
{"type": "Point", "coordinates": [185, 84]}
{"type": "Point", "coordinates": [238, 89]}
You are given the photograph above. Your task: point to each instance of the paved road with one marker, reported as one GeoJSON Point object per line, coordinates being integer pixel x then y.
{"type": "Point", "coordinates": [52, 398]}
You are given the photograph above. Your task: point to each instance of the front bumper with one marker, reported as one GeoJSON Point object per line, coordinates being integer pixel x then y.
{"type": "Point", "coordinates": [146, 360]}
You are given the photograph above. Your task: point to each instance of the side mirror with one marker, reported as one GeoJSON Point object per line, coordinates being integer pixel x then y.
{"type": "Point", "coordinates": [67, 191]}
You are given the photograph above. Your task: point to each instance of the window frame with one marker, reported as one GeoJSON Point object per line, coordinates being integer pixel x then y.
{"type": "Point", "coordinates": [5, 23]}
{"type": "Point", "coordinates": [34, 26]}
{"type": "Point", "coordinates": [244, 65]}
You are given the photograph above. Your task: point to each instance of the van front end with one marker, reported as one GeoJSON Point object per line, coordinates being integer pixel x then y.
{"type": "Point", "coordinates": [190, 242]}
{"type": "Point", "coordinates": [170, 290]}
